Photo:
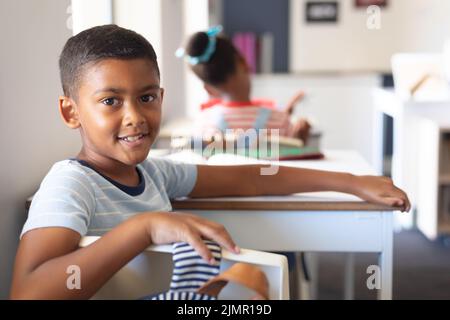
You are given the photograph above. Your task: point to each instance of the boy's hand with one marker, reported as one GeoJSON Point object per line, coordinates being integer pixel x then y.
{"type": "Point", "coordinates": [381, 190]}
{"type": "Point", "coordinates": [173, 227]}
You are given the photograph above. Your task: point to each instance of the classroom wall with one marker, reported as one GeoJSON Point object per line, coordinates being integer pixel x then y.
{"type": "Point", "coordinates": [406, 26]}
{"type": "Point", "coordinates": [195, 18]}
{"type": "Point", "coordinates": [32, 136]}
{"type": "Point", "coordinates": [88, 14]}
{"type": "Point", "coordinates": [160, 22]}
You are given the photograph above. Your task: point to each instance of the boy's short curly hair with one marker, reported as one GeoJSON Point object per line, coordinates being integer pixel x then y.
{"type": "Point", "coordinates": [98, 43]}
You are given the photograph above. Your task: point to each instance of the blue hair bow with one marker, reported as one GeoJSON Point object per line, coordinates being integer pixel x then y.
{"type": "Point", "coordinates": [209, 50]}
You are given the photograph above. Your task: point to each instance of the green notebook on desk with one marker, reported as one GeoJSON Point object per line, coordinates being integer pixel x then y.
{"type": "Point", "coordinates": [284, 153]}
{"type": "Point", "coordinates": [286, 149]}
{"type": "Point", "coordinates": [299, 153]}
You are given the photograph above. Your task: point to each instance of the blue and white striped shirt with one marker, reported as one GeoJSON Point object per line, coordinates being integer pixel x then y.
{"type": "Point", "coordinates": [190, 272]}
{"type": "Point", "coordinates": [74, 196]}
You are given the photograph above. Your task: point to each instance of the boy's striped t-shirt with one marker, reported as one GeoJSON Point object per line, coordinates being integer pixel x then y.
{"type": "Point", "coordinates": [73, 195]}
{"type": "Point", "coordinates": [217, 115]}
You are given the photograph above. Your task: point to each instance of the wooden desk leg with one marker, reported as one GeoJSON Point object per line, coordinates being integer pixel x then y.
{"type": "Point", "coordinates": [349, 276]}
{"type": "Point", "coordinates": [385, 258]}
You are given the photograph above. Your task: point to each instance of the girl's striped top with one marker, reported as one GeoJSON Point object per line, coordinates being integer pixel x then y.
{"type": "Point", "coordinates": [218, 116]}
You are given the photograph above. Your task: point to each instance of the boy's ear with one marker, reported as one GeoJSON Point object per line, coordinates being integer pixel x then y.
{"type": "Point", "coordinates": [162, 95]}
{"type": "Point", "coordinates": [68, 111]}
{"type": "Point", "coordinates": [212, 91]}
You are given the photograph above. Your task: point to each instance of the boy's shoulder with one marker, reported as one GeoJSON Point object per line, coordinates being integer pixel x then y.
{"type": "Point", "coordinates": [66, 198]}
{"type": "Point", "coordinates": [71, 169]}
{"type": "Point", "coordinates": [67, 166]}
{"type": "Point", "coordinates": [67, 172]}
{"type": "Point", "coordinates": [71, 173]}
{"type": "Point", "coordinates": [156, 165]}
{"type": "Point", "coordinates": [176, 177]}
{"type": "Point", "coordinates": [170, 168]}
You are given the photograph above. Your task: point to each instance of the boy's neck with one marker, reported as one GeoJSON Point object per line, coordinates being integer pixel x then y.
{"type": "Point", "coordinates": [113, 169]}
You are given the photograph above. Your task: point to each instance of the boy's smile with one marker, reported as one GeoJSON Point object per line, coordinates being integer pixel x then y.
{"type": "Point", "coordinates": [118, 111]}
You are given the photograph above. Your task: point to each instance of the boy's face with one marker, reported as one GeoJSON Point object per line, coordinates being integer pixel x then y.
{"type": "Point", "coordinates": [119, 109]}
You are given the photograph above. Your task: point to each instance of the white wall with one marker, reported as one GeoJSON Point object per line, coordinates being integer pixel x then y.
{"type": "Point", "coordinates": [142, 16]}
{"type": "Point", "coordinates": [88, 14]}
{"type": "Point", "coordinates": [167, 24]}
{"type": "Point", "coordinates": [195, 18]}
{"type": "Point", "coordinates": [406, 26]}
{"type": "Point", "coordinates": [32, 136]}
{"type": "Point", "coordinates": [161, 23]}
{"type": "Point", "coordinates": [172, 72]}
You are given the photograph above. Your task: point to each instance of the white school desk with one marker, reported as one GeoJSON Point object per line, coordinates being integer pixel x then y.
{"type": "Point", "coordinates": [308, 222]}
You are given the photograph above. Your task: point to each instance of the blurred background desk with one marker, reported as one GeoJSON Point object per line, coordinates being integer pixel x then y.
{"type": "Point", "coordinates": [419, 160]}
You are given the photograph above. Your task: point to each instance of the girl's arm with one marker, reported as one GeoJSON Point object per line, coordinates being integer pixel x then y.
{"type": "Point", "coordinates": [247, 180]}
{"type": "Point", "coordinates": [293, 102]}
{"type": "Point", "coordinates": [45, 254]}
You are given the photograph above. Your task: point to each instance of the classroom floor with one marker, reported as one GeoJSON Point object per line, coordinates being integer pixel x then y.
{"type": "Point", "coordinates": [421, 270]}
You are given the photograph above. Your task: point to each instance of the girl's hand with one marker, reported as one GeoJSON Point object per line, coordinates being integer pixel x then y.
{"type": "Point", "coordinates": [381, 190]}
{"type": "Point", "coordinates": [302, 130]}
{"type": "Point", "coordinates": [170, 227]}
{"type": "Point", "coordinates": [293, 102]}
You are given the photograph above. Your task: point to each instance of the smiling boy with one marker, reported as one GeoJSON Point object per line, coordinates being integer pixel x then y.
{"type": "Point", "coordinates": [112, 95]}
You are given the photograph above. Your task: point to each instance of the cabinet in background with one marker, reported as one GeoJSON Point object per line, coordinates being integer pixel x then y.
{"type": "Point", "coordinates": [433, 216]}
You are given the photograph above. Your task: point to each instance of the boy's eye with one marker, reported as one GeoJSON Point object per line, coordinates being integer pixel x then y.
{"type": "Point", "coordinates": [147, 98]}
{"type": "Point", "coordinates": [110, 101]}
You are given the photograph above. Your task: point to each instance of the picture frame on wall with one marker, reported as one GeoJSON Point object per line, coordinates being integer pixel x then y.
{"type": "Point", "coordinates": [321, 11]}
{"type": "Point", "coordinates": [366, 3]}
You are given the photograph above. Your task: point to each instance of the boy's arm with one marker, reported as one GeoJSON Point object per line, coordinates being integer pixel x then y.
{"type": "Point", "coordinates": [247, 180]}
{"type": "Point", "coordinates": [44, 254]}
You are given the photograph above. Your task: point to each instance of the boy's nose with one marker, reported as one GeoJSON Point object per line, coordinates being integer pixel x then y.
{"type": "Point", "coordinates": [133, 115]}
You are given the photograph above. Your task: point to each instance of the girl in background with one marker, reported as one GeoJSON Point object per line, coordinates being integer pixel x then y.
{"type": "Point", "coordinates": [226, 77]}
